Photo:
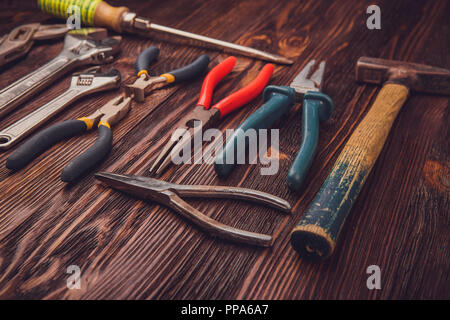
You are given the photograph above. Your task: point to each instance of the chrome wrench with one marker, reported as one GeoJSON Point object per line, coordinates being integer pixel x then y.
{"type": "Point", "coordinates": [82, 84]}
{"type": "Point", "coordinates": [78, 50]}
{"type": "Point", "coordinates": [19, 41]}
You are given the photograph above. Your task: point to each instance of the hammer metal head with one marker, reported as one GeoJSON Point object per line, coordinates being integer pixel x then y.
{"type": "Point", "coordinates": [417, 77]}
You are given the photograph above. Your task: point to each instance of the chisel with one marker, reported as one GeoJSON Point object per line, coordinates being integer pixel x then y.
{"type": "Point", "coordinates": [119, 19]}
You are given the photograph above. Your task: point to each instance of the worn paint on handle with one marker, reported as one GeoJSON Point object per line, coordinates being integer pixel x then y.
{"type": "Point", "coordinates": [60, 8]}
{"type": "Point", "coordinates": [92, 12]}
{"type": "Point", "coordinates": [318, 230]}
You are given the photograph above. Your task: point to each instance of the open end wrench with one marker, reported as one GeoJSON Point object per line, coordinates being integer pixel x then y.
{"type": "Point", "coordinates": [19, 41]}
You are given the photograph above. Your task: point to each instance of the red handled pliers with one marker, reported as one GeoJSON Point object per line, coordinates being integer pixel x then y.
{"type": "Point", "coordinates": [203, 116]}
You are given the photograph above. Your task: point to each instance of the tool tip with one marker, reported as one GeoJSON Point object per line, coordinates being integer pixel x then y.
{"type": "Point", "coordinates": [284, 60]}
{"type": "Point", "coordinates": [274, 58]}
{"type": "Point", "coordinates": [108, 177]}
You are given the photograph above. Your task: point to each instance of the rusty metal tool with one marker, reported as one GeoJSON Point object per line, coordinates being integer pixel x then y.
{"type": "Point", "coordinates": [278, 101]}
{"type": "Point", "coordinates": [78, 50]}
{"type": "Point", "coordinates": [19, 41]}
{"type": "Point", "coordinates": [145, 83]}
{"type": "Point", "coordinates": [99, 13]}
{"type": "Point", "coordinates": [170, 195]}
{"type": "Point", "coordinates": [108, 115]}
{"type": "Point", "coordinates": [203, 116]}
{"type": "Point", "coordinates": [82, 84]}
{"type": "Point", "coordinates": [318, 230]}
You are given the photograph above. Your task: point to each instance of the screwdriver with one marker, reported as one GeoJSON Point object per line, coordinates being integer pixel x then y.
{"type": "Point", "coordinates": [101, 14]}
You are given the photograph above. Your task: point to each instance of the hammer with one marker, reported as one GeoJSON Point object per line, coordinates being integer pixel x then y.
{"type": "Point", "coordinates": [316, 233]}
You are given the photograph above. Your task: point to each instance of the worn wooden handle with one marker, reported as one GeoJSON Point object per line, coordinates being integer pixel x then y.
{"type": "Point", "coordinates": [318, 230]}
{"type": "Point", "coordinates": [108, 16]}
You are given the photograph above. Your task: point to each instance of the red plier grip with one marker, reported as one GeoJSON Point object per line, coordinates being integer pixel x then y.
{"type": "Point", "coordinates": [246, 94]}
{"type": "Point", "coordinates": [212, 79]}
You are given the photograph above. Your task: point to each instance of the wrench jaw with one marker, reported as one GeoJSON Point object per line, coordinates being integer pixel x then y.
{"type": "Point", "coordinates": [17, 43]}
{"type": "Point", "coordinates": [92, 80]}
{"type": "Point", "coordinates": [107, 49]}
{"type": "Point", "coordinates": [87, 50]}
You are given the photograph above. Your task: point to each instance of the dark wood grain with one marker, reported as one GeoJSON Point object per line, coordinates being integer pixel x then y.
{"type": "Point", "coordinates": [128, 248]}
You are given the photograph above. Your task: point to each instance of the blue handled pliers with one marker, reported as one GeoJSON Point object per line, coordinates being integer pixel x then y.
{"type": "Point", "coordinates": [278, 101]}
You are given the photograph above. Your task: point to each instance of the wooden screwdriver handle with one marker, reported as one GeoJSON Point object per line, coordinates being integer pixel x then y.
{"type": "Point", "coordinates": [318, 229]}
{"type": "Point", "coordinates": [92, 12]}
{"type": "Point", "coordinates": [108, 16]}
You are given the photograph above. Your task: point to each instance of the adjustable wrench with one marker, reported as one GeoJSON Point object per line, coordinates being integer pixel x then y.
{"type": "Point", "coordinates": [18, 42]}
{"type": "Point", "coordinates": [78, 50]}
{"type": "Point", "coordinates": [82, 84]}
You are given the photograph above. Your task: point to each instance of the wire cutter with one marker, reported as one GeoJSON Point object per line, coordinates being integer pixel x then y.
{"type": "Point", "coordinates": [203, 116]}
{"type": "Point", "coordinates": [170, 195]}
{"type": "Point", "coordinates": [141, 86]}
{"type": "Point", "coordinates": [317, 107]}
{"type": "Point", "coordinates": [111, 113]}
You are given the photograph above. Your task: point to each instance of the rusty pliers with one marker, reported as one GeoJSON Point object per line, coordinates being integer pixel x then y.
{"type": "Point", "coordinates": [19, 41]}
{"type": "Point", "coordinates": [170, 195]}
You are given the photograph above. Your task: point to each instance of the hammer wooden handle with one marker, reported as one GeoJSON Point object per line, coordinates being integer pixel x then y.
{"type": "Point", "coordinates": [318, 230]}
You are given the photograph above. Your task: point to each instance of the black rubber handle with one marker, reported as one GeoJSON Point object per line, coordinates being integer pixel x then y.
{"type": "Point", "coordinates": [91, 157]}
{"type": "Point", "coordinates": [145, 58]}
{"type": "Point", "coordinates": [192, 70]}
{"type": "Point", "coordinates": [43, 140]}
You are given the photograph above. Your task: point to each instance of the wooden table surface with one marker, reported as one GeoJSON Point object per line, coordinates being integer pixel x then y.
{"type": "Point", "coordinates": [132, 249]}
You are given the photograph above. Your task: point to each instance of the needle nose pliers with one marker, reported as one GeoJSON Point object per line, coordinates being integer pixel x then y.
{"type": "Point", "coordinates": [317, 107]}
{"type": "Point", "coordinates": [106, 116]}
{"type": "Point", "coordinates": [145, 83]}
{"type": "Point", "coordinates": [170, 195]}
{"type": "Point", "coordinates": [111, 113]}
{"type": "Point", "coordinates": [203, 116]}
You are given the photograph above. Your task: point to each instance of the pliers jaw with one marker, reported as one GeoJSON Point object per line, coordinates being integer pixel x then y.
{"type": "Point", "coordinates": [302, 84]}
{"type": "Point", "coordinates": [138, 89]}
{"type": "Point", "coordinates": [200, 119]}
{"type": "Point", "coordinates": [203, 117]}
{"type": "Point", "coordinates": [208, 116]}
{"type": "Point", "coordinates": [94, 78]}
{"type": "Point", "coordinates": [141, 187]}
{"type": "Point", "coordinates": [170, 195]}
{"type": "Point", "coordinates": [112, 112]}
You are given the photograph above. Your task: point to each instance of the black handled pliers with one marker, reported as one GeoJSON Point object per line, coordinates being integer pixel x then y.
{"type": "Point", "coordinates": [111, 113]}
{"type": "Point", "coordinates": [170, 195]}
{"type": "Point", "coordinates": [145, 83]}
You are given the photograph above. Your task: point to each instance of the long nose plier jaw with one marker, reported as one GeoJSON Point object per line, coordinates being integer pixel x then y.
{"type": "Point", "coordinates": [171, 194]}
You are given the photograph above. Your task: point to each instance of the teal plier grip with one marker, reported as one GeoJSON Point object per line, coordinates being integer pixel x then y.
{"type": "Point", "coordinates": [317, 107]}
{"type": "Point", "coordinates": [278, 101]}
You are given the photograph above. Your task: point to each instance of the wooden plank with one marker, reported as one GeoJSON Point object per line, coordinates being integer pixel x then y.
{"type": "Point", "coordinates": [132, 249]}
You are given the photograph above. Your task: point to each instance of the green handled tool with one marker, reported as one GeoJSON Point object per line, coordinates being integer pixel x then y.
{"type": "Point", "coordinates": [317, 107]}
{"type": "Point", "coordinates": [119, 19]}
{"type": "Point", "coordinates": [317, 232]}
